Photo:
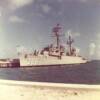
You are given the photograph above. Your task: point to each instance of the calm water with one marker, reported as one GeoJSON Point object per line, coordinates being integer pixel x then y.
{"type": "Point", "coordinates": [85, 73]}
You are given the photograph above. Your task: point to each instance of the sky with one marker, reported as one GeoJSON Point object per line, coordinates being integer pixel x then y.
{"type": "Point", "coordinates": [28, 24]}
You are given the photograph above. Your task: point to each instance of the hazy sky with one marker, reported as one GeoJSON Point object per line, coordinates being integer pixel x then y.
{"type": "Point", "coordinates": [28, 23]}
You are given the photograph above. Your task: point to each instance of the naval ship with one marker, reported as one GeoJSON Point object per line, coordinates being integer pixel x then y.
{"type": "Point", "coordinates": [53, 54]}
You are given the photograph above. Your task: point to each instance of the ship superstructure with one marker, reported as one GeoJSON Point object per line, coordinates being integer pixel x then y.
{"type": "Point", "coordinates": [53, 55]}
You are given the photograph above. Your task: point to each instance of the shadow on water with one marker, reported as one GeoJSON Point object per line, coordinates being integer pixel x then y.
{"type": "Point", "coordinates": [88, 73]}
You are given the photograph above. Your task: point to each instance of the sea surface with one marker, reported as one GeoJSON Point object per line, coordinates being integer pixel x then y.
{"type": "Point", "coordinates": [88, 73]}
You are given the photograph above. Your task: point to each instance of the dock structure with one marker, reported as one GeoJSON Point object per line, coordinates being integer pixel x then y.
{"type": "Point", "coordinates": [6, 63]}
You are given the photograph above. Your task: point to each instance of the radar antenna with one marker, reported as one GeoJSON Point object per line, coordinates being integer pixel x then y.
{"type": "Point", "coordinates": [56, 31]}
{"type": "Point", "coordinates": [69, 42]}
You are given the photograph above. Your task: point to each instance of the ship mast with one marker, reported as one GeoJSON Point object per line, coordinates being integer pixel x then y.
{"type": "Point", "coordinates": [69, 42]}
{"type": "Point", "coordinates": [56, 31]}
